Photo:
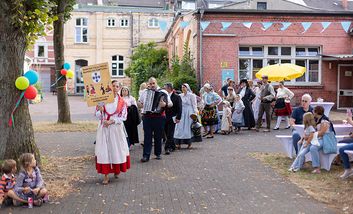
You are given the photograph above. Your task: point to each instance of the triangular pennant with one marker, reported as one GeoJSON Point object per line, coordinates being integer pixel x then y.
{"type": "Point", "coordinates": [225, 25]}
{"type": "Point", "coordinates": [184, 24]}
{"type": "Point", "coordinates": [247, 24]}
{"type": "Point", "coordinates": [325, 26]}
{"type": "Point", "coordinates": [204, 25]}
{"type": "Point", "coordinates": [266, 25]}
{"type": "Point", "coordinates": [163, 25]}
{"type": "Point", "coordinates": [345, 26]}
{"type": "Point", "coordinates": [285, 25]}
{"type": "Point", "coordinates": [306, 26]}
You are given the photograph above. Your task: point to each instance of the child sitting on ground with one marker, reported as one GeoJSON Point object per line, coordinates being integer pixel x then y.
{"type": "Point", "coordinates": [29, 182]}
{"type": "Point", "coordinates": [226, 127]}
{"type": "Point", "coordinates": [7, 182]}
{"type": "Point", "coordinates": [237, 117]}
{"type": "Point", "coordinates": [305, 143]}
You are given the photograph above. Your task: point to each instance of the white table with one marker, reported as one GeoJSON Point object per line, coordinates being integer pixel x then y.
{"type": "Point", "coordinates": [341, 129]}
{"type": "Point", "coordinates": [327, 106]}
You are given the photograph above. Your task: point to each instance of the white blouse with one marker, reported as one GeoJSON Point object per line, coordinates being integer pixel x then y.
{"type": "Point", "coordinates": [111, 108]}
{"type": "Point", "coordinates": [284, 93]}
{"type": "Point", "coordinates": [130, 101]}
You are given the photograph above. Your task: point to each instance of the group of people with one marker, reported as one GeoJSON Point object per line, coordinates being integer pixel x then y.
{"type": "Point", "coordinates": [317, 129]}
{"type": "Point", "coordinates": [25, 188]}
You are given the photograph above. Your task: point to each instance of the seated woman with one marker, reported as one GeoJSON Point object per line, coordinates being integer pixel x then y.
{"type": "Point", "coordinates": [348, 171]}
{"type": "Point", "coordinates": [323, 126]}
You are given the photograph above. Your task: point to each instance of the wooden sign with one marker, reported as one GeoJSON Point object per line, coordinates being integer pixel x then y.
{"type": "Point", "coordinates": [98, 86]}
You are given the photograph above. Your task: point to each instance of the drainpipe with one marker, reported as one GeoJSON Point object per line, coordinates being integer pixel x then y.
{"type": "Point", "coordinates": [131, 32]}
{"type": "Point", "coordinates": [200, 30]}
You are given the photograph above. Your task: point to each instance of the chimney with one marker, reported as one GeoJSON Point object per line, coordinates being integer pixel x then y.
{"type": "Point", "coordinates": [345, 4]}
{"type": "Point", "coordinates": [99, 2]}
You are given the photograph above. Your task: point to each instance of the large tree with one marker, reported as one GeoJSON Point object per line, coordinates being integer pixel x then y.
{"type": "Point", "coordinates": [21, 22]}
{"type": "Point", "coordinates": [61, 9]}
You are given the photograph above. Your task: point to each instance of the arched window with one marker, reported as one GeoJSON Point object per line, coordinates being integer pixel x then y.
{"type": "Point", "coordinates": [117, 66]}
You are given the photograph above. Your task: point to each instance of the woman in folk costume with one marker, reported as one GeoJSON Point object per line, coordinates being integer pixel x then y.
{"type": "Point", "coordinates": [247, 96]}
{"type": "Point", "coordinates": [182, 133]}
{"type": "Point", "coordinates": [133, 116]}
{"type": "Point", "coordinates": [112, 151]}
{"type": "Point", "coordinates": [282, 106]}
{"type": "Point", "coordinates": [209, 113]}
{"type": "Point", "coordinates": [256, 102]}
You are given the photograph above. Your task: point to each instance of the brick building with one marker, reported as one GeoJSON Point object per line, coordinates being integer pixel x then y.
{"type": "Point", "coordinates": [239, 39]}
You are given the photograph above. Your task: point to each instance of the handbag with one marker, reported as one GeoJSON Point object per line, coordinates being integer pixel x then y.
{"type": "Point", "coordinates": [329, 143]}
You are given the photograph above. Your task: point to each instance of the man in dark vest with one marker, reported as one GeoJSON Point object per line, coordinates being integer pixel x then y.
{"type": "Point", "coordinates": [267, 96]}
{"type": "Point", "coordinates": [153, 122]}
{"type": "Point", "coordinates": [173, 115]}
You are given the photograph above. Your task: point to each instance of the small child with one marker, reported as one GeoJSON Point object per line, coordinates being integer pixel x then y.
{"type": "Point", "coordinates": [304, 142]}
{"type": "Point", "coordinates": [195, 128]}
{"type": "Point", "coordinates": [226, 118]}
{"type": "Point", "coordinates": [30, 182]}
{"type": "Point", "coordinates": [7, 181]}
{"type": "Point", "coordinates": [237, 117]}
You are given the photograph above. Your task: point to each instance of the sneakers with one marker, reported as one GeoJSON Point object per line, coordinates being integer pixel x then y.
{"type": "Point", "coordinates": [347, 173]}
{"type": "Point", "coordinates": [293, 169]}
{"type": "Point", "coordinates": [276, 128]}
{"type": "Point", "coordinates": [316, 171]}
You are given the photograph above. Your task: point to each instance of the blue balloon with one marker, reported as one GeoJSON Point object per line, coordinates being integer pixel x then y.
{"type": "Point", "coordinates": [67, 66]}
{"type": "Point", "coordinates": [32, 76]}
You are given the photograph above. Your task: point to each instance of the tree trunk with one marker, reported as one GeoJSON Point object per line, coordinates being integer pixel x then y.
{"type": "Point", "coordinates": [18, 139]}
{"type": "Point", "coordinates": [63, 102]}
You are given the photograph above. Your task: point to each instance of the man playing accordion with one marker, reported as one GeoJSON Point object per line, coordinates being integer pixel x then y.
{"type": "Point", "coordinates": [153, 102]}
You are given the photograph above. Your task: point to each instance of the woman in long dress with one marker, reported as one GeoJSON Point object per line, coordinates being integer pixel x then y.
{"type": "Point", "coordinates": [282, 106]}
{"type": "Point", "coordinates": [182, 133]}
{"type": "Point", "coordinates": [112, 152]}
{"type": "Point", "coordinates": [247, 95]}
{"type": "Point", "coordinates": [257, 101]}
{"type": "Point", "coordinates": [133, 117]}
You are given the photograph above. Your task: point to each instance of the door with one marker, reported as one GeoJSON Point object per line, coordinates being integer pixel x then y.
{"type": "Point", "coordinates": [345, 86]}
{"type": "Point", "coordinates": [79, 86]}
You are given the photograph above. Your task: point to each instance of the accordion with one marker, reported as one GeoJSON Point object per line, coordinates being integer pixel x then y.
{"type": "Point", "coordinates": [151, 102]}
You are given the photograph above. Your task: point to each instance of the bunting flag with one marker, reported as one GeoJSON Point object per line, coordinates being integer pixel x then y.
{"type": "Point", "coordinates": [325, 26]}
{"type": "Point", "coordinates": [345, 26]}
{"type": "Point", "coordinates": [285, 25]}
{"type": "Point", "coordinates": [306, 26]}
{"type": "Point", "coordinates": [183, 24]}
{"type": "Point", "coordinates": [225, 25]}
{"type": "Point", "coordinates": [247, 24]}
{"type": "Point", "coordinates": [204, 25]}
{"type": "Point", "coordinates": [163, 25]}
{"type": "Point", "coordinates": [266, 25]}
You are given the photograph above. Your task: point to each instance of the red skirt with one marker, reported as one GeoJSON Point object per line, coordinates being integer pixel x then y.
{"type": "Point", "coordinates": [113, 168]}
{"type": "Point", "coordinates": [286, 111]}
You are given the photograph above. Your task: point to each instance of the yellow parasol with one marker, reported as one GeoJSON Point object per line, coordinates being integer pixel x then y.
{"type": "Point", "coordinates": [281, 72]}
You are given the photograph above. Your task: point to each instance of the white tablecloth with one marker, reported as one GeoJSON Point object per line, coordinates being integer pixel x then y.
{"type": "Point", "coordinates": [341, 129]}
{"type": "Point", "coordinates": [327, 106]}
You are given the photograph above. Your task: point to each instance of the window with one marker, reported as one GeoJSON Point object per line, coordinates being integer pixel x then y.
{"type": "Point", "coordinates": [262, 5]}
{"type": "Point", "coordinates": [188, 5]}
{"type": "Point", "coordinates": [111, 22]}
{"type": "Point", "coordinates": [117, 66]}
{"type": "Point", "coordinates": [124, 23]}
{"type": "Point", "coordinates": [253, 58]}
{"type": "Point", "coordinates": [81, 30]}
{"type": "Point", "coordinates": [40, 51]}
{"type": "Point", "coordinates": [153, 23]}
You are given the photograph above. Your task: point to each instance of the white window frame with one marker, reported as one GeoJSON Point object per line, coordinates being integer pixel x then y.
{"type": "Point", "coordinates": [110, 21]}
{"type": "Point", "coordinates": [154, 21]}
{"type": "Point", "coordinates": [36, 51]}
{"type": "Point", "coordinates": [117, 62]}
{"type": "Point", "coordinates": [291, 57]}
{"type": "Point", "coordinates": [124, 20]}
{"type": "Point", "coordinates": [81, 27]}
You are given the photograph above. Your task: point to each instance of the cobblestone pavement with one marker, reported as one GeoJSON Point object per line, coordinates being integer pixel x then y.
{"type": "Point", "coordinates": [216, 176]}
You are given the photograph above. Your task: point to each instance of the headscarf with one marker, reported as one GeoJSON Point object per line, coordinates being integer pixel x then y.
{"type": "Point", "coordinates": [187, 87]}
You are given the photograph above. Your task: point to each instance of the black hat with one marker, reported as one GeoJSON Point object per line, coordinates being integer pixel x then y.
{"type": "Point", "coordinates": [244, 81]}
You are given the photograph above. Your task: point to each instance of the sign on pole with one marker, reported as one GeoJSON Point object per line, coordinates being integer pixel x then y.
{"type": "Point", "coordinates": [98, 87]}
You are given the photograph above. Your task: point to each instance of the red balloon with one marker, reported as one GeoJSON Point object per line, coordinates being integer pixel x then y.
{"type": "Point", "coordinates": [31, 92]}
{"type": "Point", "coordinates": [63, 72]}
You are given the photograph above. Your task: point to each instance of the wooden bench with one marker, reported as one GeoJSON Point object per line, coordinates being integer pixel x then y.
{"type": "Point", "coordinates": [325, 159]}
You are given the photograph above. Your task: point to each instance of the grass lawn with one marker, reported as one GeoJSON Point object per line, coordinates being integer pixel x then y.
{"type": "Point", "coordinates": [326, 187]}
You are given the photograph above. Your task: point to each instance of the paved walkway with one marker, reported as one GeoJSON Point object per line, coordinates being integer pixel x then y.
{"type": "Point", "coordinates": [216, 176]}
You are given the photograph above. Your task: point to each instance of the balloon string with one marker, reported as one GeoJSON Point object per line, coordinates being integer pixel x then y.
{"type": "Point", "coordinates": [12, 120]}
{"type": "Point", "coordinates": [57, 81]}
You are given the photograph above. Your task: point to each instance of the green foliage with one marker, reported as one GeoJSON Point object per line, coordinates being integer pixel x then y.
{"type": "Point", "coordinates": [146, 61]}
{"type": "Point", "coordinates": [39, 87]}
